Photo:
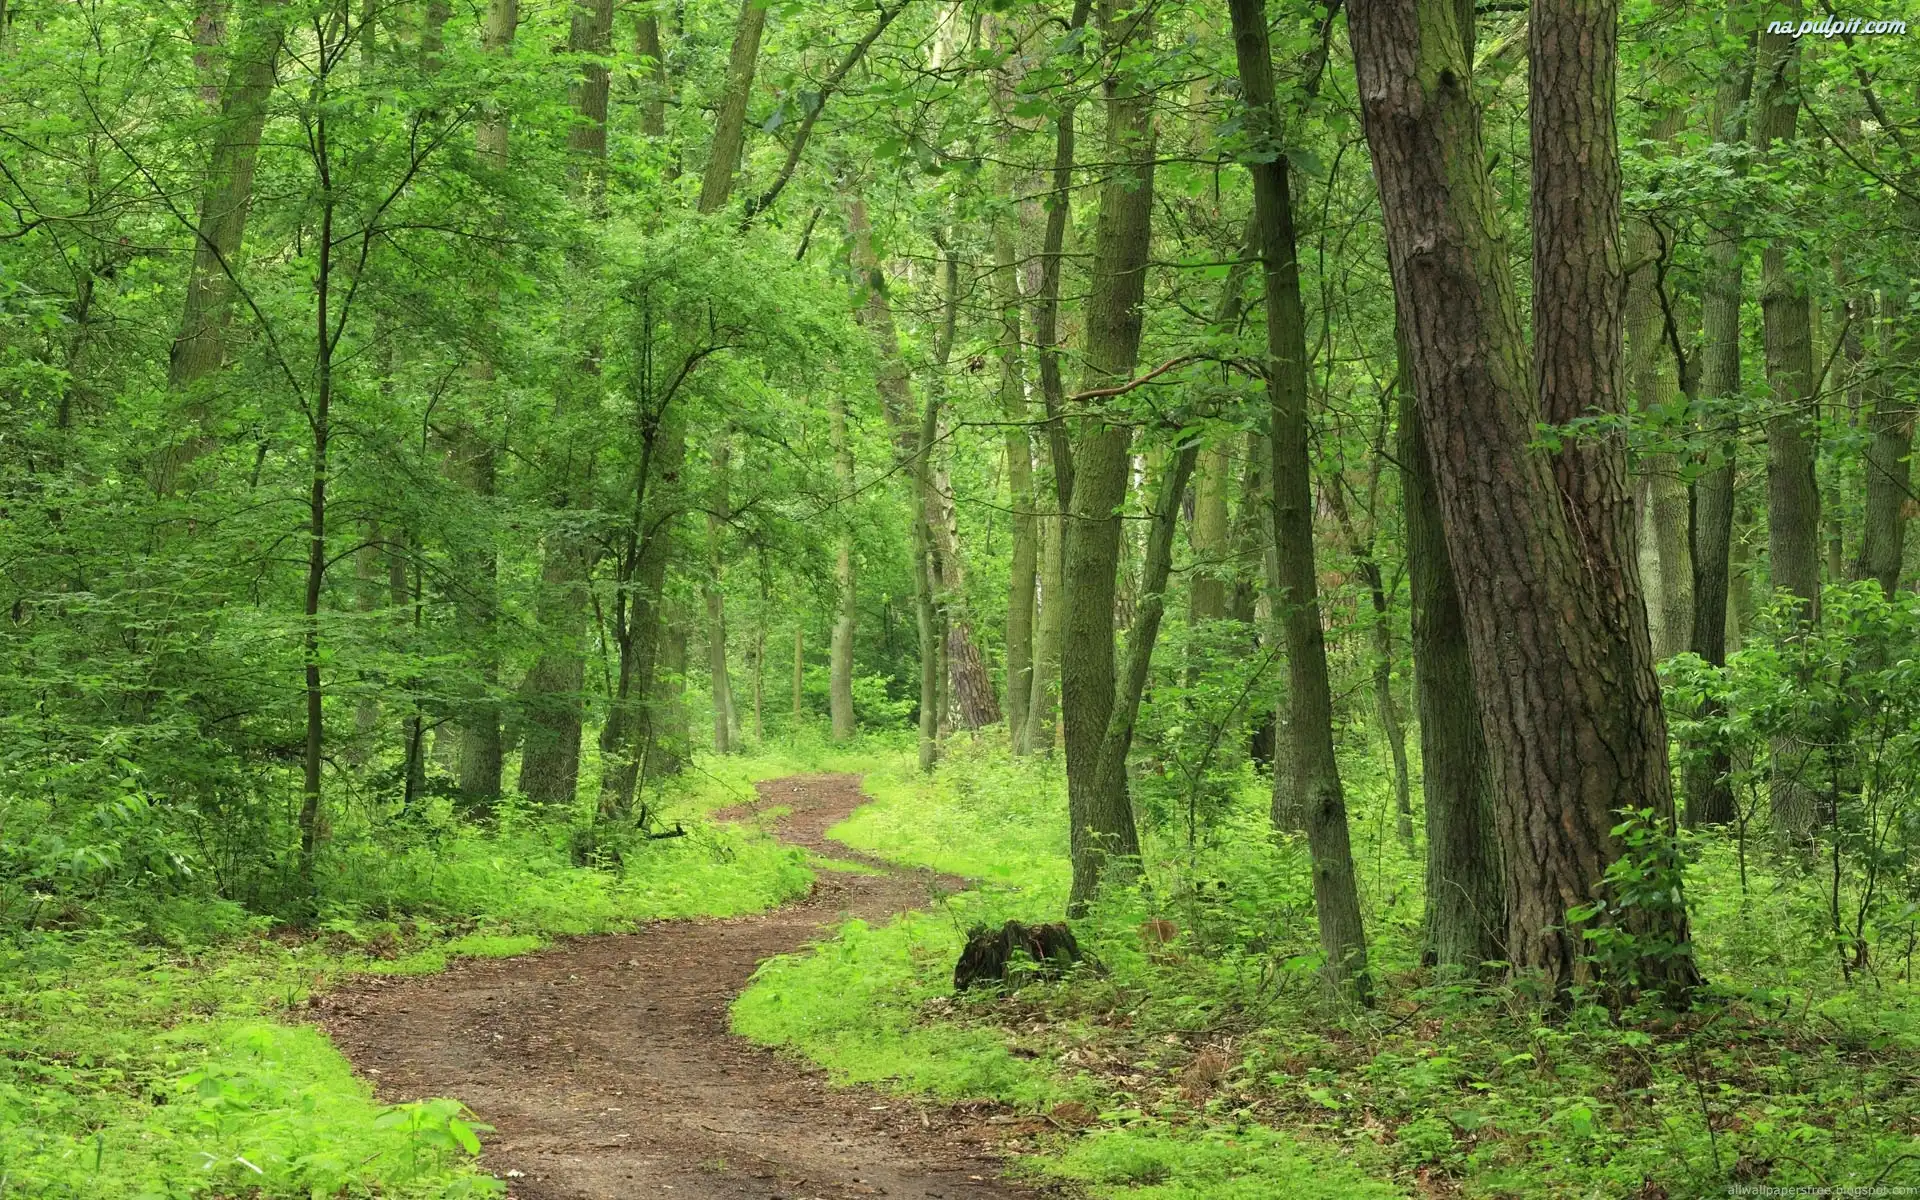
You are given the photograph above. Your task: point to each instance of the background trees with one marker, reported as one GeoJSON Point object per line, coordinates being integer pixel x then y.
{"type": "Point", "coordinates": [399, 397]}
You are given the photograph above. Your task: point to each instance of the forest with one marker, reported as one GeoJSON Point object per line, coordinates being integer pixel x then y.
{"type": "Point", "coordinates": [958, 598]}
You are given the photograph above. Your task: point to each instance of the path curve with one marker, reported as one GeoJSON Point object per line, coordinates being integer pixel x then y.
{"type": "Point", "coordinates": [606, 1067]}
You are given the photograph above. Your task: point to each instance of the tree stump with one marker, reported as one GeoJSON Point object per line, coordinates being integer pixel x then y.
{"type": "Point", "coordinates": [1015, 949]}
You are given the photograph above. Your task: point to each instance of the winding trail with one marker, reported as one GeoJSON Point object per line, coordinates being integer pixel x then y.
{"type": "Point", "coordinates": [607, 1069]}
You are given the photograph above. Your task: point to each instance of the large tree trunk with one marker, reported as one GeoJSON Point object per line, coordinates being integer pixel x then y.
{"type": "Point", "coordinates": [1568, 701]}
{"type": "Point", "coordinates": [1466, 914]}
{"type": "Point", "coordinates": [1793, 496]}
{"type": "Point", "coordinates": [483, 748]}
{"type": "Point", "coordinates": [729, 125]}
{"type": "Point", "coordinates": [1102, 837]}
{"type": "Point", "coordinates": [1316, 773]}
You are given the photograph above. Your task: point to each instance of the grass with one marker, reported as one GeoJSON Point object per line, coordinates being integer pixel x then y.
{"type": "Point", "coordinates": [876, 1005]}
{"type": "Point", "coordinates": [1217, 1067]}
{"type": "Point", "coordinates": [154, 1050]}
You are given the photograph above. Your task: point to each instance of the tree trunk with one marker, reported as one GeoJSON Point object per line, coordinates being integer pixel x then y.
{"type": "Point", "coordinates": [1207, 593]}
{"type": "Point", "coordinates": [1889, 471]}
{"type": "Point", "coordinates": [974, 698]}
{"type": "Point", "coordinates": [1652, 373]}
{"type": "Point", "coordinates": [1043, 702]}
{"type": "Point", "coordinates": [799, 677]}
{"type": "Point", "coordinates": [1102, 838]}
{"type": "Point", "coordinates": [845, 606]}
{"type": "Point", "coordinates": [1022, 575]}
{"type": "Point", "coordinates": [630, 728]}
{"type": "Point", "coordinates": [1253, 542]}
{"type": "Point", "coordinates": [481, 748]}
{"type": "Point", "coordinates": [654, 88]}
{"type": "Point", "coordinates": [320, 422]}
{"type": "Point", "coordinates": [1316, 772]}
{"type": "Point", "coordinates": [1709, 791]}
{"type": "Point", "coordinates": [674, 730]}
{"type": "Point", "coordinates": [1466, 913]}
{"type": "Point", "coordinates": [199, 348]}
{"type": "Point", "coordinates": [405, 592]}
{"type": "Point", "coordinates": [729, 125]}
{"type": "Point", "coordinates": [552, 693]}
{"type": "Point", "coordinates": [1793, 496]}
{"type": "Point", "coordinates": [719, 682]}
{"type": "Point", "coordinates": [1111, 772]}
{"type": "Point", "coordinates": [1568, 700]}
{"type": "Point", "coordinates": [1049, 637]}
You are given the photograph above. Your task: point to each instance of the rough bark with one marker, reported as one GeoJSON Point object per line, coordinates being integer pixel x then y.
{"type": "Point", "coordinates": [481, 745]}
{"type": "Point", "coordinates": [1102, 838]}
{"type": "Point", "coordinates": [1793, 495]}
{"type": "Point", "coordinates": [1568, 700]}
{"type": "Point", "coordinates": [1316, 771]}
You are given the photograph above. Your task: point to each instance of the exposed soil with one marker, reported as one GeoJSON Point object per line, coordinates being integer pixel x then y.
{"type": "Point", "coordinates": [607, 1070]}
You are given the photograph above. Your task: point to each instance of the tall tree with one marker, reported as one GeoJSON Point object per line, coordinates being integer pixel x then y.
{"type": "Point", "coordinates": [730, 123]}
{"type": "Point", "coordinates": [1102, 836]}
{"type": "Point", "coordinates": [551, 693]}
{"type": "Point", "coordinates": [200, 346]}
{"type": "Point", "coordinates": [1568, 702]}
{"type": "Point", "coordinates": [1316, 772]}
{"type": "Point", "coordinates": [1711, 494]}
{"type": "Point", "coordinates": [1793, 495]}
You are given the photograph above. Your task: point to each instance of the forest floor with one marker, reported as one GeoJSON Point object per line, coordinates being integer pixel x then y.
{"type": "Point", "coordinates": [606, 1066]}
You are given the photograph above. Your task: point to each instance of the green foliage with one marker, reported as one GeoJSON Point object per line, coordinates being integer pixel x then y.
{"type": "Point", "coordinates": [1832, 710]}
{"type": "Point", "coordinates": [1214, 1064]}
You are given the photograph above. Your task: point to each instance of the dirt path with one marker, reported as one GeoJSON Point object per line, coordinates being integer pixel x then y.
{"type": "Point", "coordinates": [606, 1067]}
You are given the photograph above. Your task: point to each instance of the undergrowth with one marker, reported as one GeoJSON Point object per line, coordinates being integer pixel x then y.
{"type": "Point", "coordinates": [1217, 1066]}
